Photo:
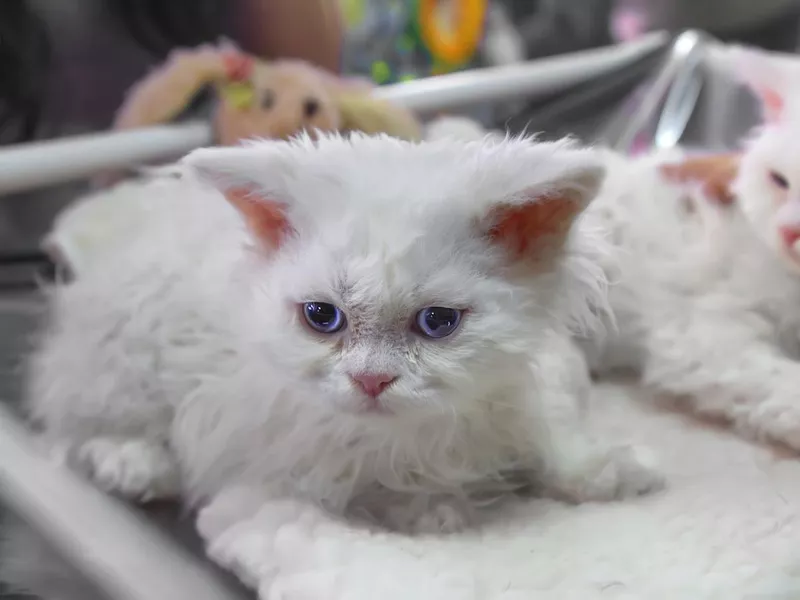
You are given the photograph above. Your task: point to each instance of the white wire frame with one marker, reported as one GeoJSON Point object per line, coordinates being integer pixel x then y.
{"type": "Point", "coordinates": [41, 164]}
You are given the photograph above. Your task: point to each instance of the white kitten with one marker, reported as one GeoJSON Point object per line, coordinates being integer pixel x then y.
{"type": "Point", "coordinates": [709, 301]}
{"type": "Point", "coordinates": [389, 332]}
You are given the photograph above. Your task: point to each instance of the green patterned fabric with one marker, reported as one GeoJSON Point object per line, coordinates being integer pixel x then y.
{"type": "Point", "coordinates": [381, 42]}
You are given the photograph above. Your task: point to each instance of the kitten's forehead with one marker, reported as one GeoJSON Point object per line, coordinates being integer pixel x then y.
{"type": "Point", "coordinates": [362, 268]}
{"type": "Point", "coordinates": [396, 181]}
{"type": "Point", "coordinates": [386, 219]}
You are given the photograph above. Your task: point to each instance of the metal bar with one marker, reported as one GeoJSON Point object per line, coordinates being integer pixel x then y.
{"type": "Point", "coordinates": [720, 104]}
{"type": "Point", "coordinates": [39, 164]}
{"type": "Point", "coordinates": [524, 80]}
{"type": "Point", "coordinates": [121, 554]}
{"type": "Point", "coordinates": [681, 100]}
{"type": "Point", "coordinates": [686, 52]}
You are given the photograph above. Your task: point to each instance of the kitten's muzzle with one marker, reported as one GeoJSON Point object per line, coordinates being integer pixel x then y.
{"type": "Point", "coordinates": [373, 384]}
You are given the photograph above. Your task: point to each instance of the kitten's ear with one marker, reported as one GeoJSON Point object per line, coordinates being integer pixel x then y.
{"type": "Point", "coordinates": [538, 215]}
{"type": "Point", "coordinates": [767, 74]}
{"type": "Point", "coordinates": [252, 179]}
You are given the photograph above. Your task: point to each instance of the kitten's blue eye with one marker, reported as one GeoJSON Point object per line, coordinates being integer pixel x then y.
{"type": "Point", "coordinates": [437, 321]}
{"type": "Point", "coordinates": [323, 317]}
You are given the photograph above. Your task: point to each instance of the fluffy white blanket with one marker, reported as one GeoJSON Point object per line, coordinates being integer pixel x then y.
{"type": "Point", "coordinates": [727, 527]}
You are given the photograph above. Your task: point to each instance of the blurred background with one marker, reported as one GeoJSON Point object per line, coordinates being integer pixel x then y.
{"type": "Point", "coordinates": [65, 67]}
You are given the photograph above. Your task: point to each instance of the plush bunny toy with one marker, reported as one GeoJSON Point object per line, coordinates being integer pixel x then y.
{"type": "Point", "coordinates": [253, 98]}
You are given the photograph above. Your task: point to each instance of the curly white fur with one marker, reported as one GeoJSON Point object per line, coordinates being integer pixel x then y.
{"type": "Point", "coordinates": [708, 301]}
{"type": "Point", "coordinates": [92, 225]}
{"type": "Point", "coordinates": [187, 337]}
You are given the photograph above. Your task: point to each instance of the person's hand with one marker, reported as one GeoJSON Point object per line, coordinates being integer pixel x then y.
{"type": "Point", "coordinates": [714, 172]}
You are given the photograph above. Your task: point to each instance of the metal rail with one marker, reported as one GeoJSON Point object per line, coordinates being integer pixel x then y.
{"type": "Point", "coordinates": [669, 98]}
{"type": "Point", "coordinates": [121, 554]}
{"type": "Point", "coordinates": [40, 164]}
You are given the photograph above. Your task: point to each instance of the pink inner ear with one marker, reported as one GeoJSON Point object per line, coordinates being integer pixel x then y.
{"type": "Point", "coordinates": [523, 229]}
{"type": "Point", "coordinates": [265, 218]}
{"type": "Point", "coordinates": [773, 104]}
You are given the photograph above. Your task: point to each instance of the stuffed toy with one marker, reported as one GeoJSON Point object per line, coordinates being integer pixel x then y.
{"type": "Point", "coordinates": [246, 98]}
{"type": "Point", "coordinates": [253, 98]}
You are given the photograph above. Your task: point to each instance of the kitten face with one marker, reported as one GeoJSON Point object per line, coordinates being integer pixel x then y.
{"type": "Point", "coordinates": [768, 183]}
{"type": "Point", "coordinates": [768, 188]}
{"type": "Point", "coordinates": [382, 291]}
{"type": "Point", "coordinates": [403, 280]}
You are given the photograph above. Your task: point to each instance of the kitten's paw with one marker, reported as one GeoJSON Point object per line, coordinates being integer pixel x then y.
{"type": "Point", "coordinates": [136, 469]}
{"type": "Point", "coordinates": [773, 421]}
{"type": "Point", "coordinates": [637, 470]}
{"type": "Point", "coordinates": [616, 473]}
{"type": "Point", "coordinates": [441, 517]}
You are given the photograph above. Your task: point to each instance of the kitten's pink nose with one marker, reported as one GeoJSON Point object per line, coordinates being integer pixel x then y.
{"type": "Point", "coordinates": [373, 383]}
{"type": "Point", "coordinates": [790, 235]}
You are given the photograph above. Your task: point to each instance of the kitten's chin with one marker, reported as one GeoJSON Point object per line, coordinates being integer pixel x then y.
{"type": "Point", "coordinates": [365, 406]}
{"type": "Point", "coordinates": [374, 409]}
{"type": "Point", "coordinates": [384, 409]}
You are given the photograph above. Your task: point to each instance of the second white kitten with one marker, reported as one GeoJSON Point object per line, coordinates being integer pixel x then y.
{"type": "Point", "coordinates": [708, 301]}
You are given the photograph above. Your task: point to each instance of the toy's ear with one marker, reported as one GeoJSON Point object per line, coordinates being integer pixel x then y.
{"type": "Point", "coordinates": [544, 200]}
{"type": "Point", "coordinates": [360, 112]}
{"type": "Point", "coordinates": [168, 89]}
{"type": "Point", "coordinates": [253, 179]}
{"type": "Point", "coordinates": [767, 74]}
